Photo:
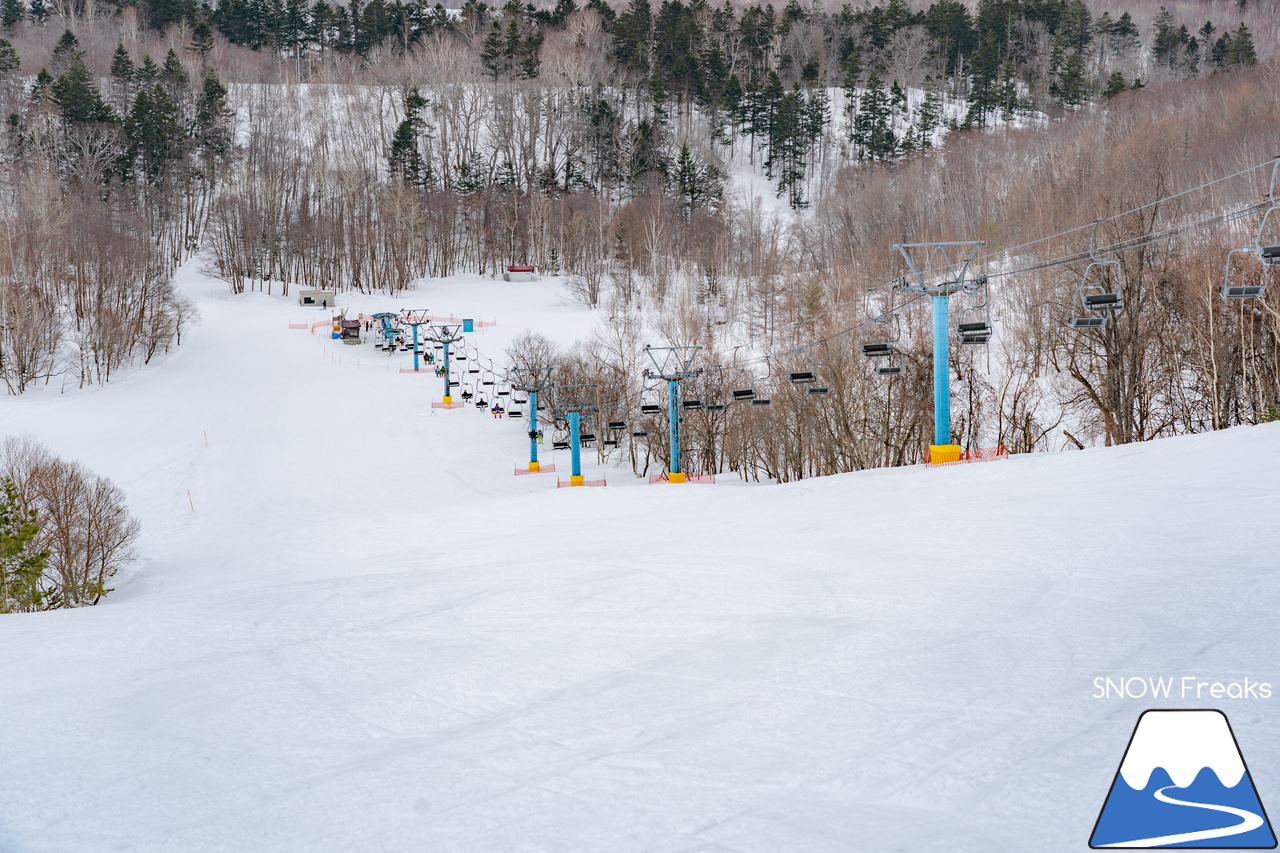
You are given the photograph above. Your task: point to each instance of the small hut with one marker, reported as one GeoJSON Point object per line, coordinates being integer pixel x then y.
{"type": "Point", "coordinates": [520, 273]}
{"type": "Point", "coordinates": [350, 331]}
{"type": "Point", "coordinates": [318, 298]}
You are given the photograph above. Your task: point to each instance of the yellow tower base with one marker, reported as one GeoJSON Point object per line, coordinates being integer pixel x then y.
{"type": "Point", "coordinates": [447, 399]}
{"type": "Point", "coordinates": [675, 477]}
{"type": "Point", "coordinates": [576, 479]}
{"type": "Point", "coordinates": [535, 467]}
{"type": "Point", "coordinates": [941, 454]}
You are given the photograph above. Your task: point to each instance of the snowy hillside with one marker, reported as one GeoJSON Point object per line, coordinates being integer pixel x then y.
{"type": "Point", "coordinates": [361, 632]}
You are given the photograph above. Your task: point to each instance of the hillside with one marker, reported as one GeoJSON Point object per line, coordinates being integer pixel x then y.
{"type": "Point", "coordinates": [361, 632]}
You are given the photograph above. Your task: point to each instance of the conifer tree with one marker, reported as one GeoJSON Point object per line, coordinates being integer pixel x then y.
{"type": "Point", "coordinates": [1241, 51]}
{"type": "Point", "coordinates": [77, 96]}
{"type": "Point", "coordinates": [154, 132]}
{"type": "Point", "coordinates": [201, 39]}
{"type": "Point", "coordinates": [211, 130]}
{"type": "Point", "coordinates": [21, 567]}
{"type": "Point", "coordinates": [11, 13]}
{"type": "Point", "coordinates": [39, 11]}
{"type": "Point", "coordinates": [121, 65]}
{"type": "Point", "coordinates": [8, 58]}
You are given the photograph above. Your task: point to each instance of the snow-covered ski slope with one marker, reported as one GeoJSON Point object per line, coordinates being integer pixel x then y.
{"type": "Point", "coordinates": [369, 635]}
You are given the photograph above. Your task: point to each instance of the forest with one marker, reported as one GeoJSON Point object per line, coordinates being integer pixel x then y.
{"type": "Point", "coordinates": [363, 147]}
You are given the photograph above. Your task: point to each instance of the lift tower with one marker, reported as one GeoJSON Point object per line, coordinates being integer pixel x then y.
{"type": "Point", "coordinates": [531, 380]}
{"type": "Point", "coordinates": [939, 270]}
{"type": "Point", "coordinates": [673, 364]}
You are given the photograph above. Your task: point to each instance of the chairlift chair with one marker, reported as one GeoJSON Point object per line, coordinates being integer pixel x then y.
{"type": "Point", "coordinates": [1249, 291]}
{"type": "Point", "coordinates": [691, 405]}
{"type": "Point", "coordinates": [640, 434]}
{"type": "Point", "coordinates": [650, 409]}
{"type": "Point", "coordinates": [559, 445]}
{"type": "Point", "coordinates": [761, 401]}
{"type": "Point", "coordinates": [714, 407]}
{"type": "Point", "coordinates": [817, 390]}
{"type": "Point", "coordinates": [610, 442]}
{"type": "Point", "coordinates": [802, 377]}
{"type": "Point", "coordinates": [617, 424]}
{"type": "Point", "coordinates": [744, 394]}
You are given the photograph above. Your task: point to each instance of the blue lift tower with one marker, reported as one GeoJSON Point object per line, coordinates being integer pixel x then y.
{"type": "Point", "coordinates": [939, 270]}
{"type": "Point", "coordinates": [673, 364]}
{"type": "Point", "coordinates": [532, 380]}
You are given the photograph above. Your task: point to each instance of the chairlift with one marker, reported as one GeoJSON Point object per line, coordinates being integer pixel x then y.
{"type": "Point", "coordinates": [617, 424]}
{"type": "Point", "coordinates": [889, 370]}
{"type": "Point", "coordinates": [519, 401]}
{"type": "Point", "coordinates": [974, 333]}
{"type": "Point", "coordinates": [714, 407]}
{"type": "Point", "coordinates": [817, 390]}
{"type": "Point", "coordinates": [610, 442]}
{"type": "Point", "coordinates": [650, 409]}
{"type": "Point", "coordinates": [691, 405]}
{"type": "Point", "coordinates": [504, 393]}
{"type": "Point", "coordinates": [761, 401]}
{"type": "Point", "coordinates": [1269, 255]}
{"type": "Point", "coordinates": [487, 382]}
{"type": "Point", "coordinates": [587, 437]}
{"type": "Point", "coordinates": [457, 357]}
{"type": "Point", "coordinates": [515, 413]}
{"type": "Point", "coordinates": [877, 350]}
{"type": "Point", "coordinates": [802, 377]}
{"type": "Point", "coordinates": [640, 434]}
{"type": "Point", "coordinates": [1093, 294]}
{"type": "Point", "coordinates": [974, 321]}
{"type": "Point", "coordinates": [559, 445]}
{"type": "Point", "coordinates": [744, 394]}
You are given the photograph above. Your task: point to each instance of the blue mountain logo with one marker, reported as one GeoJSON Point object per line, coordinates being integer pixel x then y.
{"type": "Point", "coordinates": [1183, 783]}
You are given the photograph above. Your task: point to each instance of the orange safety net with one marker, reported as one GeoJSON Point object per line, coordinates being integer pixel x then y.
{"type": "Point", "coordinates": [547, 468]}
{"type": "Point", "coordinates": [565, 484]}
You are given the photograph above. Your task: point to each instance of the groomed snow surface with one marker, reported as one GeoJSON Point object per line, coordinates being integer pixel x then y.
{"type": "Point", "coordinates": [369, 635]}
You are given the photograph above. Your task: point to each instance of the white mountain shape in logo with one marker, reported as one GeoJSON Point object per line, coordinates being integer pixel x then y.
{"type": "Point", "coordinates": [1183, 743]}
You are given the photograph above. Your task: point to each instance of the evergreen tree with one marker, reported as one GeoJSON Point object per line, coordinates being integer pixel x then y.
{"type": "Point", "coordinates": [1167, 39]}
{"type": "Point", "coordinates": [201, 39]}
{"type": "Point", "coordinates": [1241, 51]}
{"type": "Point", "coordinates": [211, 130]}
{"type": "Point", "coordinates": [929, 116]}
{"type": "Point", "coordinates": [21, 568]}
{"type": "Point", "coordinates": [77, 96]}
{"type": "Point", "coordinates": [148, 71]}
{"type": "Point", "coordinates": [121, 65]}
{"type": "Point", "coordinates": [405, 159]}
{"type": "Point", "coordinates": [65, 52]}
{"type": "Point", "coordinates": [631, 34]}
{"type": "Point", "coordinates": [11, 13]}
{"type": "Point", "coordinates": [154, 132]}
{"type": "Point", "coordinates": [39, 11]}
{"type": "Point", "coordinates": [983, 92]}
{"type": "Point", "coordinates": [173, 73]}
{"type": "Point", "coordinates": [1115, 85]}
{"type": "Point", "coordinates": [8, 58]}
{"type": "Point", "coordinates": [872, 133]}
{"type": "Point", "coordinates": [1071, 88]}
